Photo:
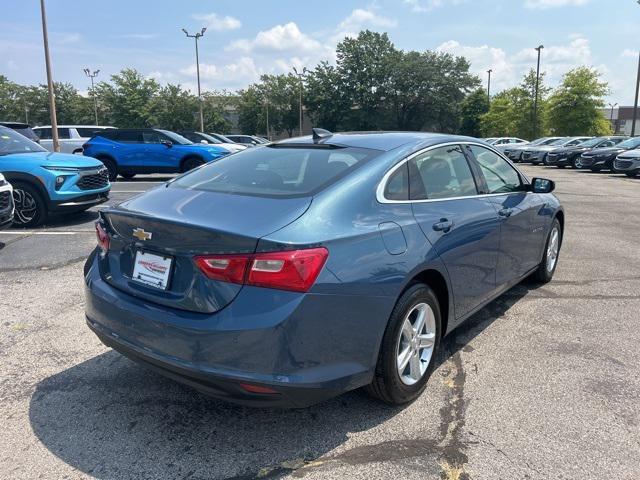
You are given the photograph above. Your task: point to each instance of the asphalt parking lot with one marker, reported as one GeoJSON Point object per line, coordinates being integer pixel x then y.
{"type": "Point", "coordinates": [543, 383]}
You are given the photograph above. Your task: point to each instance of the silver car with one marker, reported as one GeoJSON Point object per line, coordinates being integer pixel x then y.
{"type": "Point", "coordinates": [628, 163]}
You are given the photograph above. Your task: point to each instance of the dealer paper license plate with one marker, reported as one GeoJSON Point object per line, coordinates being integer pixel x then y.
{"type": "Point", "coordinates": [153, 270]}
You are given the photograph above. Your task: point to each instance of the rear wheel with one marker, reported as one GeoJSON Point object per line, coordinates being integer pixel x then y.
{"type": "Point", "coordinates": [631, 174]}
{"type": "Point", "coordinates": [112, 167]}
{"type": "Point", "coordinates": [191, 163]}
{"type": "Point", "coordinates": [409, 347]}
{"type": "Point", "coordinates": [577, 162]}
{"type": "Point", "coordinates": [547, 268]}
{"type": "Point", "coordinates": [31, 208]}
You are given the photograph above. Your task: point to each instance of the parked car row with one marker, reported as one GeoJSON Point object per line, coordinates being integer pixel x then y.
{"type": "Point", "coordinates": [614, 153]}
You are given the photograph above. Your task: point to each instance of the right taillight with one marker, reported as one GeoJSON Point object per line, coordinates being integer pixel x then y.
{"type": "Point", "coordinates": [102, 237]}
{"type": "Point", "coordinates": [294, 270]}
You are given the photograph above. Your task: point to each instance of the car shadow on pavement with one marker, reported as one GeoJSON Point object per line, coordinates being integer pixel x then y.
{"type": "Point", "coordinates": [110, 418]}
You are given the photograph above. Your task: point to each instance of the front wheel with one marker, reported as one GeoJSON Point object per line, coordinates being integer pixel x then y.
{"type": "Point", "coordinates": [409, 347]}
{"type": "Point", "coordinates": [577, 163]}
{"type": "Point", "coordinates": [112, 168]}
{"type": "Point", "coordinates": [191, 163]}
{"type": "Point", "coordinates": [30, 207]}
{"type": "Point", "coordinates": [547, 268]}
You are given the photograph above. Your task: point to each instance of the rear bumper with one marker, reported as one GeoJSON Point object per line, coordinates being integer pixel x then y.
{"type": "Point", "coordinates": [306, 347]}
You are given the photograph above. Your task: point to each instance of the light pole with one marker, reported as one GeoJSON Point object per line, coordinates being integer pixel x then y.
{"type": "Point", "coordinates": [196, 36]}
{"type": "Point", "coordinates": [267, 105]}
{"type": "Point", "coordinates": [489, 85]}
{"type": "Point", "coordinates": [535, 101]}
{"type": "Point", "coordinates": [52, 97]}
{"type": "Point", "coordinates": [300, 75]}
{"type": "Point", "coordinates": [93, 75]}
{"type": "Point", "coordinates": [612, 106]}
{"type": "Point", "coordinates": [635, 103]}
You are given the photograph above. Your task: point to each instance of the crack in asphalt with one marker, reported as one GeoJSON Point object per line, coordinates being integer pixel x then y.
{"type": "Point", "coordinates": [447, 452]}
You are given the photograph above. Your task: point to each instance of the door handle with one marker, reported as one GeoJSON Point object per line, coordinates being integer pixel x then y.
{"type": "Point", "coordinates": [505, 212]}
{"type": "Point", "coordinates": [444, 225]}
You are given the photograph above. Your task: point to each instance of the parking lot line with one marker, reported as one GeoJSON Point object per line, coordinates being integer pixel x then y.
{"type": "Point", "coordinates": [44, 232]}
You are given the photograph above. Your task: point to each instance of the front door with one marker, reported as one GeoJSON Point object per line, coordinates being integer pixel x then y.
{"type": "Point", "coordinates": [520, 212]}
{"type": "Point", "coordinates": [463, 228]}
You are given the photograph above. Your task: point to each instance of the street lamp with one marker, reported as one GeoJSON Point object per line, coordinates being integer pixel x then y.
{"type": "Point", "coordinates": [93, 75]}
{"type": "Point", "coordinates": [196, 36]}
{"type": "Point", "coordinates": [635, 103]}
{"type": "Point", "coordinates": [52, 98]}
{"type": "Point", "coordinates": [267, 105]}
{"type": "Point", "coordinates": [612, 106]}
{"type": "Point", "coordinates": [489, 85]}
{"type": "Point", "coordinates": [535, 101]}
{"type": "Point", "coordinates": [300, 75]}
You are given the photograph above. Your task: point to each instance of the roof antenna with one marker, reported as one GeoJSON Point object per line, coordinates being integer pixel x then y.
{"type": "Point", "coordinates": [320, 133]}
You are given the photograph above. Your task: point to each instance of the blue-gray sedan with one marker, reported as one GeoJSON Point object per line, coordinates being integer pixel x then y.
{"type": "Point", "coordinates": [292, 272]}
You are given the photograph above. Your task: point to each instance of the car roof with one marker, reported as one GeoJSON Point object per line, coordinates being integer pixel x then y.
{"type": "Point", "coordinates": [384, 141]}
{"type": "Point", "coordinates": [74, 126]}
{"type": "Point", "coordinates": [15, 124]}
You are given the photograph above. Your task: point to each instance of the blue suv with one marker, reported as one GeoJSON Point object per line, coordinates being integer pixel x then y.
{"type": "Point", "coordinates": [46, 183]}
{"type": "Point", "coordinates": [148, 150]}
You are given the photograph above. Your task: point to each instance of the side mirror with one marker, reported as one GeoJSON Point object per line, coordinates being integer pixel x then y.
{"type": "Point", "coordinates": [167, 143]}
{"type": "Point", "coordinates": [542, 185]}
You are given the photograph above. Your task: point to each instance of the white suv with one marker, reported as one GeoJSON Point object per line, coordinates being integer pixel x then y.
{"type": "Point", "coordinates": [71, 137]}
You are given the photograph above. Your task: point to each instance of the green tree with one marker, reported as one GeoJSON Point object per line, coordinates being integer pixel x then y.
{"type": "Point", "coordinates": [472, 108]}
{"type": "Point", "coordinates": [325, 97]}
{"type": "Point", "coordinates": [127, 100]}
{"type": "Point", "coordinates": [365, 65]}
{"type": "Point", "coordinates": [173, 108]}
{"type": "Point", "coordinates": [574, 107]}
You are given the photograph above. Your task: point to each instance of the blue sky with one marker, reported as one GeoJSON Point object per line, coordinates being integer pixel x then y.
{"type": "Point", "coordinates": [247, 38]}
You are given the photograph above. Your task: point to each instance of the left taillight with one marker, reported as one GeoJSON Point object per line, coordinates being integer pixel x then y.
{"type": "Point", "coordinates": [103, 238]}
{"type": "Point", "coordinates": [294, 270]}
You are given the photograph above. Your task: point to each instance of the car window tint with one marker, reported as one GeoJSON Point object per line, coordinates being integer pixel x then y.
{"type": "Point", "coordinates": [397, 187]}
{"type": "Point", "coordinates": [44, 133]}
{"type": "Point", "coordinates": [63, 133]}
{"type": "Point", "coordinates": [499, 175]}
{"type": "Point", "coordinates": [129, 136]}
{"type": "Point", "coordinates": [276, 171]}
{"type": "Point", "coordinates": [441, 173]}
{"type": "Point", "coordinates": [87, 132]}
{"type": "Point", "coordinates": [151, 137]}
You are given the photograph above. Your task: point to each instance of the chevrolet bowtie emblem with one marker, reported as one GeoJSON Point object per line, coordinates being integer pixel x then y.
{"type": "Point", "coordinates": [141, 235]}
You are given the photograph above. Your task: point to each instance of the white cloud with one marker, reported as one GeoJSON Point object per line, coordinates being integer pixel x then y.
{"type": "Point", "coordinates": [65, 38]}
{"type": "Point", "coordinates": [360, 18]}
{"type": "Point", "coordinates": [140, 36]}
{"type": "Point", "coordinates": [544, 4]}
{"type": "Point", "coordinates": [422, 6]}
{"type": "Point", "coordinates": [280, 38]}
{"type": "Point", "coordinates": [236, 74]}
{"type": "Point", "coordinates": [628, 53]}
{"type": "Point", "coordinates": [216, 22]}
{"type": "Point", "coordinates": [508, 69]}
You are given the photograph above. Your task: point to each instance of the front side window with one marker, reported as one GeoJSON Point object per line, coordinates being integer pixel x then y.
{"type": "Point", "coordinates": [499, 175]}
{"type": "Point", "coordinates": [276, 171]}
{"type": "Point", "coordinates": [151, 137]}
{"type": "Point", "coordinates": [44, 133]}
{"type": "Point", "coordinates": [441, 173]}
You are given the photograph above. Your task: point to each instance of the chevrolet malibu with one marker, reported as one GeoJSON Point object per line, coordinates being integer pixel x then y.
{"type": "Point", "coordinates": [292, 272]}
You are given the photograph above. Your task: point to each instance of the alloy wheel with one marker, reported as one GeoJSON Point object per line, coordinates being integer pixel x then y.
{"type": "Point", "coordinates": [416, 343]}
{"type": "Point", "coordinates": [578, 162]}
{"type": "Point", "coordinates": [553, 248]}
{"type": "Point", "coordinates": [26, 207]}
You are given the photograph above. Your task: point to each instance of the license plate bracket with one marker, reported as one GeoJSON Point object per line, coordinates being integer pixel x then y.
{"type": "Point", "coordinates": [152, 269]}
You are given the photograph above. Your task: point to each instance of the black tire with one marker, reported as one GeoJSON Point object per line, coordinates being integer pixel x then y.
{"type": "Point", "coordinates": [387, 384]}
{"type": "Point", "coordinates": [191, 163]}
{"type": "Point", "coordinates": [31, 207]}
{"type": "Point", "coordinates": [128, 176]}
{"type": "Point", "coordinates": [561, 166]}
{"type": "Point", "coordinates": [596, 169]}
{"type": "Point", "coordinates": [631, 174]}
{"type": "Point", "coordinates": [573, 163]}
{"type": "Point", "coordinates": [543, 274]}
{"type": "Point", "coordinates": [112, 167]}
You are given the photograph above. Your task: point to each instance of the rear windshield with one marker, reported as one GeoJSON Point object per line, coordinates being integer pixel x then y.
{"type": "Point", "coordinates": [276, 171]}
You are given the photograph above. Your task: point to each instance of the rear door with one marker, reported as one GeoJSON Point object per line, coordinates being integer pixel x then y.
{"type": "Point", "coordinates": [130, 152]}
{"type": "Point", "coordinates": [462, 227]}
{"type": "Point", "coordinates": [520, 212]}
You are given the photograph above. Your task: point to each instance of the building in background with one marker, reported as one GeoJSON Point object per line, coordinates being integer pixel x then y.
{"type": "Point", "coordinates": [621, 119]}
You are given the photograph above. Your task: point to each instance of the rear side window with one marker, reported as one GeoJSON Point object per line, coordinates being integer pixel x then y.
{"type": "Point", "coordinates": [129, 136]}
{"type": "Point", "coordinates": [397, 187]}
{"type": "Point", "coordinates": [44, 133]}
{"type": "Point", "coordinates": [441, 173]}
{"type": "Point", "coordinates": [499, 175]}
{"type": "Point", "coordinates": [276, 171]}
